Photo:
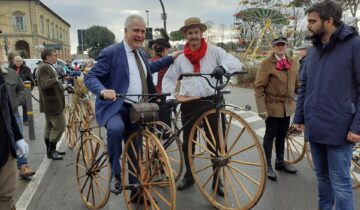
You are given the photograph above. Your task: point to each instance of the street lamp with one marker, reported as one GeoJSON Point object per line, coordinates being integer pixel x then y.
{"type": "Point", "coordinates": [163, 15]}
{"type": "Point", "coordinates": [147, 16]}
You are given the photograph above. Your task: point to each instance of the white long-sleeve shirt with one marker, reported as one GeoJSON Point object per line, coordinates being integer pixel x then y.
{"type": "Point", "coordinates": [197, 86]}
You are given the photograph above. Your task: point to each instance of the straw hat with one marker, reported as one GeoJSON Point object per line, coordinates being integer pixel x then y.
{"type": "Point", "coordinates": [193, 22]}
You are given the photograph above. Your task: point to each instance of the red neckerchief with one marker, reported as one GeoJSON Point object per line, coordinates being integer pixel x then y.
{"type": "Point", "coordinates": [283, 65]}
{"type": "Point", "coordinates": [195, 56]}
{"type": "Point", "coordinates": [17, 69]}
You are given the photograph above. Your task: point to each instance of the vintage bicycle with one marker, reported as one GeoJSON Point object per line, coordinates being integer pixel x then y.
{"type": "Point", "coordinates": [224, 148]}
{"type": "Point", "coordinates": [143, 157]}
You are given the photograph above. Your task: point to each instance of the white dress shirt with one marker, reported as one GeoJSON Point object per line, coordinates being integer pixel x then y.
{"type": "Point", "coordinates": [198, 86]}
{"type": "Point", "coordinates": [135, 85]}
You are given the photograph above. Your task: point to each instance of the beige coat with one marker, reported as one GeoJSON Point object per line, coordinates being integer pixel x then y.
{"type": "Point", "coordinates": [274, 89]}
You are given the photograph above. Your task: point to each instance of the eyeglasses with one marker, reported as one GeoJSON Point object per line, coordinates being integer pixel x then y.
{"type": "Point", "coordinates": [280, 44]}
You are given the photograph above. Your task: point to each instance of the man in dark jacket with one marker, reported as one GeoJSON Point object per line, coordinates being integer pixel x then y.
{"type": "Point", "coordinates": [11, 144]}
{"type": "Point", "coordinates": [52, 102]}
{"type": "Point", "coordinates": [328, 103]}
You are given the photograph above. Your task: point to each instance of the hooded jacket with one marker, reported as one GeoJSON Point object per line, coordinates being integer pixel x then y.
{"type": "Point", "coordinates": [328, 102]}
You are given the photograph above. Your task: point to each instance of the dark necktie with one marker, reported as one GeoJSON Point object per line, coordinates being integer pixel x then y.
{"type": "Point", "coordinates": [142, 74]}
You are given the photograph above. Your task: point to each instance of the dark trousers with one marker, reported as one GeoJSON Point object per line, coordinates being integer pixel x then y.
{"type": "Point", "coordinates": [189, 113]}
{"type": "Point", "coordinates": [276, 128]}
{"type": "Point", "coordinates": [119, 129]}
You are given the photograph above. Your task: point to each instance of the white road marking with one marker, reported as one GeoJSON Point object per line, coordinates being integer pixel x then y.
{"type": "Point", "coordinates": [32, 187]}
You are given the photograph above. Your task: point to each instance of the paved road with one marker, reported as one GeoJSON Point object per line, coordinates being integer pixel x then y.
{"type": "Point", "coordinates": [53, 187]}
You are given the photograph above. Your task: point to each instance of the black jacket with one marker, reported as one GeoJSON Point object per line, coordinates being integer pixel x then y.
{"type": "Point", "coordinates": [9, 130]}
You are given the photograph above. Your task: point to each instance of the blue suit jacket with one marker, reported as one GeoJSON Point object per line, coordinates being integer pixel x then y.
{"type": "Point", "coordinates": [112, 72]}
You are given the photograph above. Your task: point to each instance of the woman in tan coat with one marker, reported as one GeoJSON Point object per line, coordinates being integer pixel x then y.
{"type": "Point", "coordinates": [275, 86]}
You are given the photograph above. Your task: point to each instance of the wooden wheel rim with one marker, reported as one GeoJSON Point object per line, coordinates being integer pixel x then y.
{"type": "Point", "coordinates": [93, 184]}
{"type": "Point", "coordinates": [147, 185]}
{"type": "Point", "coordinates": [229, 169]}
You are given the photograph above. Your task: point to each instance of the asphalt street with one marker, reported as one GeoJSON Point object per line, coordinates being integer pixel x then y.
{"type": "Point", "coordinates": [54, 185]}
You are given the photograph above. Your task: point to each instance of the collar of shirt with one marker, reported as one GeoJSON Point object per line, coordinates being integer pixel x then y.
{"type": "Point", "coordinates": [278, 58]}
{"type": "Point", "coordinates": [128, 49]}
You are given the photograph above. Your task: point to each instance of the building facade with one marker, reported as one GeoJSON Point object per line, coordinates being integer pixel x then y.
{"type": "Point", "coordinates": [29, 26]}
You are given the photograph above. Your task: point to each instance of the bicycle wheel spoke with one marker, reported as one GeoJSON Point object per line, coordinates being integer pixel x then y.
{"type": "Point", "coordinates": [245, 163]}
{"type": "Point", "coordinates": [160, 196]}
{"type": "Point", "coordinates": [204, 148]}
{"type": "Point", "coordinates": [211, 132]}
{"type": "Point", "coordinates": [227, 131]}
{"type": "Point", "coordinates": [203, 169]}
{"type": "Point", "coordinates": [236, 139]}
{"type": "Point", "coordinates": [173, 160]}
{"type": "Point", "coordinates": [152, 201]}
{"type": "Point", "coordinates": [209, 178]}
{"type": "Point", "coordinates": [225, 190]}
{"type": "Point", "coordinates": [241, 185]}
{"type": "Point", "coordinates": [222, 142]}
{"type": "Point", "coordinates": [245, 175]}
{"type": "Point", "coordinates": [100, 186]}
{"type": "Point", "coordinates": [242, 150]}
{"type": "Point", "coordinates": [232, 189]}
{"type": "Point", "coordinates": [203, 134]}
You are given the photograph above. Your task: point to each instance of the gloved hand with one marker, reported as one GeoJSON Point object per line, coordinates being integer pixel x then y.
{"type": "Point", "coordinates": [171, 103]}
{"type": "Point", "coordinates": [218, 72]}
{"type": "Point", "coordinates": [264, 115]}
{"type": "Point", "coordinates": [23, 148]}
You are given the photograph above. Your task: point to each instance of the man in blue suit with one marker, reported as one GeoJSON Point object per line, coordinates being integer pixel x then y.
{"type": "Point", "coordinates": [119, 69]}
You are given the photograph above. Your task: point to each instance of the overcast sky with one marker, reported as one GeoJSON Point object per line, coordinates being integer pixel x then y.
{"type": "Point", "coordinates": [82, 14]}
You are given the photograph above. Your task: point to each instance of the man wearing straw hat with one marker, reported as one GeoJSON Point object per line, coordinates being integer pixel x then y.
{"type": "Point", "coordinates": [198, 57]}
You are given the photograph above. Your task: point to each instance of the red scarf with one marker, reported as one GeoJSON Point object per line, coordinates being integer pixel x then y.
{"type": "Point", "coordinates": [283, 65]}
{"type": "Point", "coordinates": [195, 56]}
{"type": "Point", "coordinates": [17, 70]}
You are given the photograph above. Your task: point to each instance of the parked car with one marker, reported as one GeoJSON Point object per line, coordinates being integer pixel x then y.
{"type": "Point", "coordinates": [32, 63]}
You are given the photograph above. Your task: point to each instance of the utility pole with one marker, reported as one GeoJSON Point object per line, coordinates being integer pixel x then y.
{"type": "Point", "coordinates": [147, 16]}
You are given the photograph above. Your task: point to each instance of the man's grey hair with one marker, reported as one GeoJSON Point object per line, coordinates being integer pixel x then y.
{"type": "Point", "coordinates": [129, 20]}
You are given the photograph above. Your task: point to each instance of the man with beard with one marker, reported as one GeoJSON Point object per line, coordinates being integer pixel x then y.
{"type": "Point", "coordinates": [198, 57]}
{"type": "Point", "coordinates": [122, 68]}
{"type": "Point", "coordinates": [328, 103]}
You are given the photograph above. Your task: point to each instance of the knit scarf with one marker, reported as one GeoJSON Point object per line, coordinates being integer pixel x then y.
{"type": "Point", "coordinates": [195, 56]}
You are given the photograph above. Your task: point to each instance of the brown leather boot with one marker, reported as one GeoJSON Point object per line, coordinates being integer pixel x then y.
{"type": "Point", "coordinates": [26, 172]}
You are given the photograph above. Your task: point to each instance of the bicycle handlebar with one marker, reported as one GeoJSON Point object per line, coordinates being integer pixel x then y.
{"type": "Point", "coordinates": [216, 87]}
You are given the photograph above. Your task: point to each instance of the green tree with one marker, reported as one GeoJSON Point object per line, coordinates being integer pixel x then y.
{"type": "Point", "coordinates": [176, 36]}
{"type": "Point", "coordinates": [97, 38]}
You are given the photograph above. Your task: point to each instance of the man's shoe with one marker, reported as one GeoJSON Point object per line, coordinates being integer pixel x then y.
{"type": "Point", "coordinates": [220, 188]}
{"type": "Point", "coordinates": [136, 197]}
{"type": "Point", "coordinates": [285, 167]}
{"type": "Point", "coordinates": [61, 152]}
{"type": "Point", "coordinates": [26, 172]}
{"type": "Point", "coordinates": [54, 155]}
{"type": "Point", "coordinates": [271, 173]}
{"type": "Point", "coordinates": [185, 183]}
{"type": "Point", "coordinates": [115, 185]}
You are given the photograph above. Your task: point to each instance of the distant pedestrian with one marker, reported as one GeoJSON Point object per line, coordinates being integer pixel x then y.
{"type": "Point", "coordinates": [52, 102]}
{"type": "Point", "coordinates": [25, 74]}
{"type": "Point", "coordinates": [301, 51]}
{"type": "Point", "coordinates": [275, 86]}
{"type": "Point", "coordinates": [329, 102]}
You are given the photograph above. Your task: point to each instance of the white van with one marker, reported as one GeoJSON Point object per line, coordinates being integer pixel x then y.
{"type": "Point", "coordinates": [32, 63]}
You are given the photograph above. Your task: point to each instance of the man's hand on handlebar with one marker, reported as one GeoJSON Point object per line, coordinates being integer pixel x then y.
{"type": "Point", "coordinates": [108, 94]}
{"type": "Point", "coordinates": [218, 72]}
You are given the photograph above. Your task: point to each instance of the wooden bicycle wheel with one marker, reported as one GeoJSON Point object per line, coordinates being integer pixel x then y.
{"type": "Point", "coordinates": [138, 162]}
{"type": "Point", "coordinates": [72, 124]}
{"type": "Point", "coordinates": [67, 112]}
{"type": "Point", "coordinates": [294, 146]}
{"type": "Point", "coordinates": [308, 154]}
{"type": "Point", "coordinates": [232, 157]}
{"type": "Point", "coordinates": [88, 114]}
{"type": "Point", "coordinates": [174, 150]}
{"type": "Point", "coordinates": [93, 172]}
{"type": "Point", "coordinates": [355, 167]}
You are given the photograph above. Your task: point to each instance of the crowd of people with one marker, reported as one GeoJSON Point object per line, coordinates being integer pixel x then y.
{"type": "Point", "coordinates": [322, 90]}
